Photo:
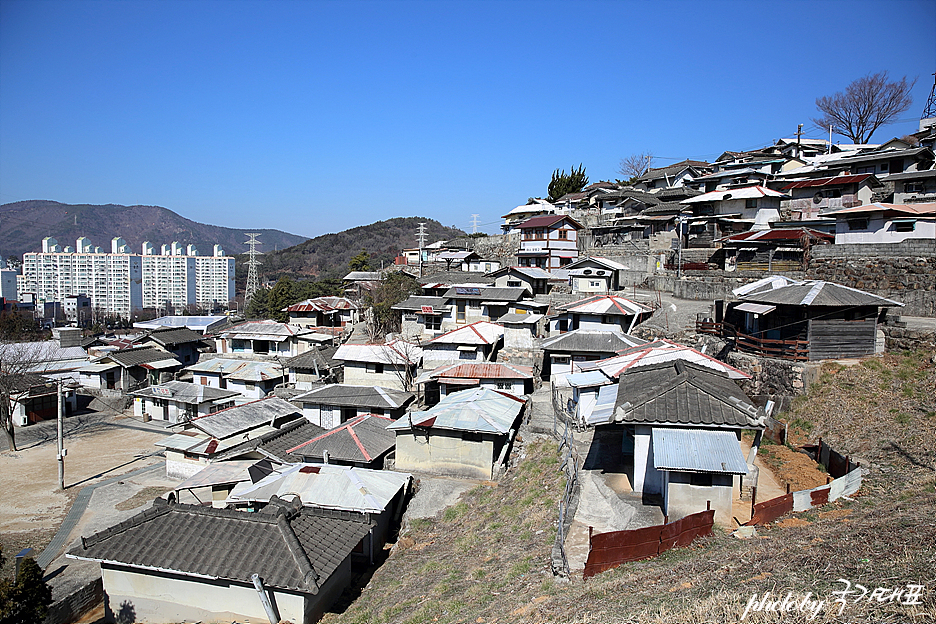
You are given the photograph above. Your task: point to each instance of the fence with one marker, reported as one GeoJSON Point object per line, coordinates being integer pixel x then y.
{"type": "Point", "coordinates": [847, 481]}
{"type": "Point", "coordinates": [609, 550]}
{"type": "Point", "coordinates": [568, 502]}
{"type": "Point", "coordinates": [792, 349]}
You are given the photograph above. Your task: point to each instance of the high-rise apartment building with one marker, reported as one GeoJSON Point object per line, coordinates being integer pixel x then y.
{"type": "Point", "coordinates": [121, 282]}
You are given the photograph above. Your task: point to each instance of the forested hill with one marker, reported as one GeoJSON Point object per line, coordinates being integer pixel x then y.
{"type": "Point", "coordinates": [327, 256]}
{"type": "Point", "coordinates": [24, 224]}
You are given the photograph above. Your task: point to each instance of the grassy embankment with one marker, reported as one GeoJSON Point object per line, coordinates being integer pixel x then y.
{"type": "Point", "coordinates": [487, 558]}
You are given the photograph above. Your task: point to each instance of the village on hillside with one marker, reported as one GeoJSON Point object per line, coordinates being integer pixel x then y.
{"type": "Point", "coordinates": [225, 468]}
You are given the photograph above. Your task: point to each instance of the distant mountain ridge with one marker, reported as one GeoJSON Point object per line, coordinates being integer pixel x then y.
{"type": "Point", "coordinates": [24, 224]}
{"type": "Point", "coordinates": [328, 255]}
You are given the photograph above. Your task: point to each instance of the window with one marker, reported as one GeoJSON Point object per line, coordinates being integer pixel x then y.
{"type": "Point", "coordinates": [261, 346]}
{"type": "Point", "coordinates": [466, 355]}
{"type": "Point", "coordinates": [857, 224]}
{"type": "Point", "coordinates": [460, 311]}
{"type": "Point", "coordinates": [434, 322]}
{"type": "Point", "coordinates": [375, 367]}
{"type": "Point", "coordinates": [563, 234]}
{"type": "Point", "coordinates": [594, 283]}
{"type": "Point", "coordinates": [513, 284]}
{"type": "Point", "coordinates": [701, 478]}
{"type": "Point", "coordinates": [750, 203]}
{"type": "Point", "coordinates": [503, 385]}
{"type": "Point", "coordinates": [914, 187]}
{"type": "Point", "coordinates": [884, 167]}
{"type": "Point", "coordinates": [564, 261]}
{"type": "Point", "coordinates": [470, 436]}
{"type": "Point", "coordinates": [904, 226]}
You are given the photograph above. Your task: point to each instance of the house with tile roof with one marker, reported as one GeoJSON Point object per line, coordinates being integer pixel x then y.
{"type": "Point", "coordinates": [724, 212]}
{"type": "Point", "coordinates": [548, 241]}
{"type": "Point", "coordinates": [810, 198]}
{"type": "Point", "coordinates": [332, 404]}
{"type": "Point", "coordinates": [389, 365]}
{"type": "Point", "coordinates": [595, 275]}
{"type": "Point", "coordinates": [315, 366]}
{"type": "Point", "coordinates": [179, 401]}
{"type": "Point", "coordinates": [468, 433]}
{"type": "Point", "coordinates": [675, 175]}
{"type": "Point", "coordinates": [378, 496]}
{"type": "Point", "coordinates": [250, 379]}
{"type": "Point", "coordinates": [323, 312]}
{"type": "Point", "coordinates": [364, 441]}
{"type": "Point", "coordinates": [264, 339]}
{"type": "Point", "coordinates": [777, 249]}
{"type": "Point", "coordinates": [182, 563]}
{"type": "Point", "coordinates": [564, 352]}
{"type": "Point", "coordinates": [601, 313]}
{"type": "Point", "coordinates": [128, 369]}
{"type": "Point", "coordinates": [807, 320]}
{"type": "Point", "coordinates": [181, 342]}
{"type": "Point", "coordinates": [440, 382]}
{"type": "Point", "coordinates": [202, 439]}
{"type": "Point", "coordinates": [475, 342]}
{"type": "Point", "coordinates": [681, 425]}
{"type": "Point", "coordinates": [884, 223]}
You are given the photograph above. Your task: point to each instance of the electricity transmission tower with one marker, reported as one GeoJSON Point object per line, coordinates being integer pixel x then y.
{"type": "Point", "coordinates": [930, 110]}
{"type": "Point", "coordinates": [474, 223]}
{"type": "Point", "coordinates": [421, 238]}
{"type": "Point", "coordinates": [253, 281]}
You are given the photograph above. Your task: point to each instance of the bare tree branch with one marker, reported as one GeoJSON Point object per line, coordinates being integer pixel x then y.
{"type": "Point", "coordinates": [867, 104]}
{"type": "Point", "coordinates": [635, 165]}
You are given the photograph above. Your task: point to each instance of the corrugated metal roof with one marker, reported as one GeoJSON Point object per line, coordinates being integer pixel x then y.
{"type": "Point", "coordinates": [396, 352]}
{"type": "Point", "coordinates": [520, 319]}
{"type": "Point", "coordinates": [263, 330]}
{"type": "Point", "coordinates": [833, 181]}
{"type": "Point", "coordinates": [697, 450]}
{"type": "Point", "coordinates": [819, 293]}
{"type": "Point", "coordinates": [591, 341]}
{"type": "Point", "coordinates": [218, 473]}
{"type": "Point", "coordinates": [478, 333]}
{"type": "Point", "coordinates": [606, 304]}
{"type": "Point", "coordinates": [477, 410]}
{"type": "Point", "coordinates": [486, 293]}
{"type": "Point", "coordinates": [345, 395]}
{"type": "Point", "coordinates": [183, 392]}
{"type": "Point", "coordinates": [588, 380]}
{"type": "Point", "coordinates": [747, 192]}
{"type": "Point", "coordinates": [330, 486]}
{"type": "Point", "coordinates": [604, 406]}
{"type": "Point", "coordinates": [242, 418]}
{"type": "Point", "coordinates": [483, 370]}
{"type": "Point", "coordinates": [658, 352]}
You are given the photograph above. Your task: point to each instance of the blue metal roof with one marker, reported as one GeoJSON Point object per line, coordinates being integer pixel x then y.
{"type": "Point", "coordinates": [697, 450]}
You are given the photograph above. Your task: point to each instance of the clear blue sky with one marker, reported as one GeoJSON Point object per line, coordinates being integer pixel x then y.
{"type": "Point", "coordinates": [313, 117]}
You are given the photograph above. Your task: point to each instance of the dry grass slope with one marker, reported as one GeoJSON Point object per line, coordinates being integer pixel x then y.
{"type": "Point", "coordinates": [485, 559]}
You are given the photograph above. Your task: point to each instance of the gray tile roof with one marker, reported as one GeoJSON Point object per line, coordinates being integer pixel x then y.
{"type": "Point", "coordinates": [290, 547]}
{"type": "Point", "coordinates": [664, 208]}
{"type": "Point", "coordinates": [488, 294]}
{"type": "Point", "coordinates": [684, 394]}
{"type": "Point", "coordinates": [313, 357]}
{"type": "Point", "coordinates": [455, 277]}
{"type": "Point", "coordinates": [819, 293]}
{"type": "Point", "coordinates": [416, 303]}
{"type": "Point", "coordinates": [139, 356]}
{"type": "Point", "coordinates": [171, 336]}
{"type": "Point", "coordinates": [356, 396]}
{"type": "Point", "coordinates": [276, 443]}
{"type": "Point", "coordinates": [243, 418]}
{"type": "Point", "coordinates": [362, 440]}
{"type": "Point", "coordinates": [184, 392]}
{"type": "Point", "coordinates": [591, 341]}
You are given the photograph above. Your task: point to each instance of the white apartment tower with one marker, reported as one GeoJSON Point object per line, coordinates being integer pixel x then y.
{"type": "Point", "coordinates": [121, 282]}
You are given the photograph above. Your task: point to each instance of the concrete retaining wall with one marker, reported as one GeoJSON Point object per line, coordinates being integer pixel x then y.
{"type": "Point", "coordinates": [76, 604]}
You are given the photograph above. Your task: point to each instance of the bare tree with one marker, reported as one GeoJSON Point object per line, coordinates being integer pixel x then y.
{"type": "Point", "coordinates": [867, 104]}
{"type": "Point", "coordinates": [18, 364]}
{"type": "Point", "coordinates": [635, 165]}
{"type": "Point", "coordinates": [403, 357]}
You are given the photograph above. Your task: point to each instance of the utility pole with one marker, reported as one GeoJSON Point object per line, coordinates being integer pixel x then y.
{"type": "Point", "coordinates": [799, 133]}
{"type": "Point", "coordinates": [253, 281]}
{"type": "Point", "coordinates": [474, 223]}
{"type": "Point", "coordinates": [61, 451]}
{"type": "Point", "coordinates": [421, 240]}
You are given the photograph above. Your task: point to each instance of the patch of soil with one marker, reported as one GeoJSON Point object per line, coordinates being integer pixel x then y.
{"type": "Point", "coordinates": [143, 497]}
{"type": "Point", "coordinates": [793, 521]}
{"type": "Point", "coordinates": [793, 468]}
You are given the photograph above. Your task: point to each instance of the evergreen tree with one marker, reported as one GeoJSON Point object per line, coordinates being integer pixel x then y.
{"type": "Point", "coordinates": [28, 598]}
{"type": "Point", "coordinates": [360, 262]}
{"type": "Point", "coordinates": [258, 307]}
{"type": "Point", "coordinates": [282, 296]}
{"type": "Point", "coordinates": [562, 183]}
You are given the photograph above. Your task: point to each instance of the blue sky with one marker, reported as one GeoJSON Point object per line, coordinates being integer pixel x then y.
{"type": "Point", "coordinates": [314, 117]}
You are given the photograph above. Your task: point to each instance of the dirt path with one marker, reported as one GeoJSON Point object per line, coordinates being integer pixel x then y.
{"type": "Point", "coordinates": [31, 504]}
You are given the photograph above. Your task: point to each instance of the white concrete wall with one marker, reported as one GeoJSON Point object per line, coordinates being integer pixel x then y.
{"type": "Point", "coordinates": [356, 374]}
{"type": "Point", "coordinates": [682, 498]}
{"type": "Point", "coordinates": [180, 467]}
{"type": "Point", "coordinates": [647, 479]}
{"type": "Point", "coordinates": [881, 231]}
{"type": "Point", "coordinates": [175, 599]}
{"type": "Point", "coordinates": [444, 452]}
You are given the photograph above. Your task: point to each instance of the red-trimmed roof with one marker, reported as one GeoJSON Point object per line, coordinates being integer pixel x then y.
{"type": "Point", "coordinates": [835, 181]}
{"type": "Point", "coordinates": [546, 221]}
{"type": "Point", "coordinates": [779, 234]}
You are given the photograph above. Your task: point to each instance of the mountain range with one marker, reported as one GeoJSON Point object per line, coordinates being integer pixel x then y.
{"type": "Point", "coordinates": [24, 224]}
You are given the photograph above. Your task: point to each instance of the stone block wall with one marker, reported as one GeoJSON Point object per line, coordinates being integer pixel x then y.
{"type": "Point", "coordinates": [904, 272]}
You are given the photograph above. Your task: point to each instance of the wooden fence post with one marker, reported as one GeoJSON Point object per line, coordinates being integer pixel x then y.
{"type": "Point", "coordinates": [753, 500]}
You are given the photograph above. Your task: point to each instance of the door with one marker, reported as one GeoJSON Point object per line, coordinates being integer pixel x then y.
{"type": "Point", "coordinates": [460, 312]}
